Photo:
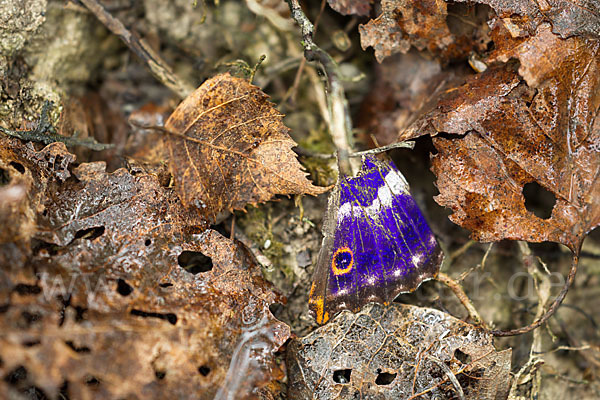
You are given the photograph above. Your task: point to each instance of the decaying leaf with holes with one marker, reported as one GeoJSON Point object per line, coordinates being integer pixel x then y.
{"type": "Point", "coordinates": [229, 148]}
{"type": "Point", "coordinates": [397, 352]}
{"type": "Point", "coordinates": [543, 129]}
{"type": "Point", "coordinates": [24, 176]}
{"type": "Point", "coordinates": [126, 294]}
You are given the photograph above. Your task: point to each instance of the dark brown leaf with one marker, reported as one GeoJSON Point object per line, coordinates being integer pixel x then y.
{"type": "Point", "coordinates": [545, 130]}
{"type": "Point", "coordinates": [24, 176]}
{"type": "Point", "coordinates": [397, 352]}
{"type": "Point", "coordinates": [123, 297]}
{"type": "Point", "coordinates": [231, 148]}
{"type": "Point", "coordinates": [568, 17]}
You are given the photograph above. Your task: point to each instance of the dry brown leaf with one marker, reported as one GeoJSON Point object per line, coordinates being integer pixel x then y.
{"type": "Point", "coordinates": [103, 308]}
{"type": "Point", "coordinates": [403, 24]}
{"type": "Point", "coordinates": [24, 176]}
{"type": "Point", "coordinates": [229, 148]}
{"type": "Point", "coordinates": [545, 132]}
{"type": "Point", "coordinates": [568, 17]}
{"type": "Point", "coordinates": [397, 352]}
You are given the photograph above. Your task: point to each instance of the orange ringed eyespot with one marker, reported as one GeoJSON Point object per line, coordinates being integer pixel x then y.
{"type": "Point", "coordinates": [342, 252]}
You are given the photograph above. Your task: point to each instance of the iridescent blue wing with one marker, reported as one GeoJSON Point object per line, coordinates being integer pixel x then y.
{"type": "Point", "coordinates": [376, 243]}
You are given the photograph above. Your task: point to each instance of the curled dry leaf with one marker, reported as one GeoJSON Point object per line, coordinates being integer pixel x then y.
{"type": "Point", "coordinates": [229, 148]}
{"type": "Point", "coordinates": [103, 308]}
{"type": "Point", "coordinates": [397, 352]}
{"type": "Point", "coordinates": [403, 24]}
{"type": "Point", "coordinates": [24, 175]}
{"type": "Point", "coordinates": [546, 131]}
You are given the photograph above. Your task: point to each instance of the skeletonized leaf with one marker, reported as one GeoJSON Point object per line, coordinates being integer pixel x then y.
{"type": "Point", "coordinates": [397, 352]}
{"type": "Point", "coordinates": [229, 148]}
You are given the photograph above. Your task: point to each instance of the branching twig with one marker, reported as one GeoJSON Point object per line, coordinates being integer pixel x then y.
{"type": "Point", "coordinates": [45, 133]}
{"type": "Point", "coordinates": [553, 307]}
{"type": "Point", "coordinates": [462, 296]}
{"type": "Point", "coordinates": [339, 121]}
{"type": "Point", "coordinates": [157, 65]}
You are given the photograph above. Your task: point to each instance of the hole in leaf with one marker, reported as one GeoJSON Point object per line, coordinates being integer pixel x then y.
{"type": "Point", "coordinates": [90, 233]}
{"type": "Point", "coordinates": [385, 378]}
{"type": "Point", "coordinates": [342, 375]}
{"type": "Point", "coordinates": [170, 317]}
{"type": "Point", "coordinates": [123, 288]}
{"type": "Point", "coordinates": [18, 167]}
{"type": "Point", "coordinates": [204, 370]}
{"type": "Point", "coordinates": [165, 284]}
{"type": "Point", "coordinates": [148, 242]}
{"type": "Point", "coordinates": [30, 343]}
{"type": "Point", "coordinates": [538, 200]}
{"type": "Point", "coordinates": [24, 289]}
{"type": "Point", "coordinates": [44, 248]}
{"type": "Point", "coordinates": [194, 262]}
{"type": "Point", "coordinates": [16, 375]}
{"type": "Point", "coordinates": [92, 381]}
{"type": "Point", "coordinates": [80, 313]}
{"type": "Point", "coordinates": [30, 318]}
{"type": "Point", "coordinates": [63, 392]}
{"type": "Point", "coordinates": [275, 308]}
{"type": "Point", "coordinates": [462, 357]}
{"type": "Point", "coordinates": [77, 349]}
{"type": "Point", "coordinates": [4, 177]}
{"type": "Point", "coordinates": [160, 375]}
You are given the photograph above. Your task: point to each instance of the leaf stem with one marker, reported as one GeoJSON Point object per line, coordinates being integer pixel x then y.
{"type": "Point", "coordinates": [340, 125]}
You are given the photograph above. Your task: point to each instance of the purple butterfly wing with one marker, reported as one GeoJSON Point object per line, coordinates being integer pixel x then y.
{"type": "Point", "coordinates": [376, 243]}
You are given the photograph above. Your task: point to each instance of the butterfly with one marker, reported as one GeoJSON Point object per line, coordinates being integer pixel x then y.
{"type": "Point", "coordinates": [376, 243]}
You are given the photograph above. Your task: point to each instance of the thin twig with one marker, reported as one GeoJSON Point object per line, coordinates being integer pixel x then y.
{"type": "Point", "coordinates": [157, 65]}
{"type": "Point", "coordinates": [462, 297]}
{"type": "Point", "coordinates": [307, 153]}
{"type": "Point", "coordinates": [45, 133]}
{"type": "Point", "coordinates": [340, 126]}
{"type": "Point", "coordinates": [553, 307]}
{"type": "Point", "coordinates": [294, 89]}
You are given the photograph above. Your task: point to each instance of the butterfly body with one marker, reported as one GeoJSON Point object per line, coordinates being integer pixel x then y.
{"type": "Point", "coordinates": [376, 243]}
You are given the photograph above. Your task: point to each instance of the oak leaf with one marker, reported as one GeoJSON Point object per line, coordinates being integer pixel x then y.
{"type": "Point", "coordinates": [229, 148]}
{"type": "Point", "coordinates": [545, 130]}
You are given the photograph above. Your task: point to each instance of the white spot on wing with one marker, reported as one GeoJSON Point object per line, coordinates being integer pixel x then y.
{"type": "Point", "coordinates": [395, 184]}
{"type": "Point", "coordinates": [416, 259]}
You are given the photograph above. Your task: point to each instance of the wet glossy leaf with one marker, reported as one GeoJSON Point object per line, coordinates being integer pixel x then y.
{"type": "Point", "coordinates": [543, 130]}
{"type": "Point", "coordinates": [231, 148]}
{"type": "Point", "coordinates": [126, 295]}
{"type": "Point", "coordinates": [397, 352]}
